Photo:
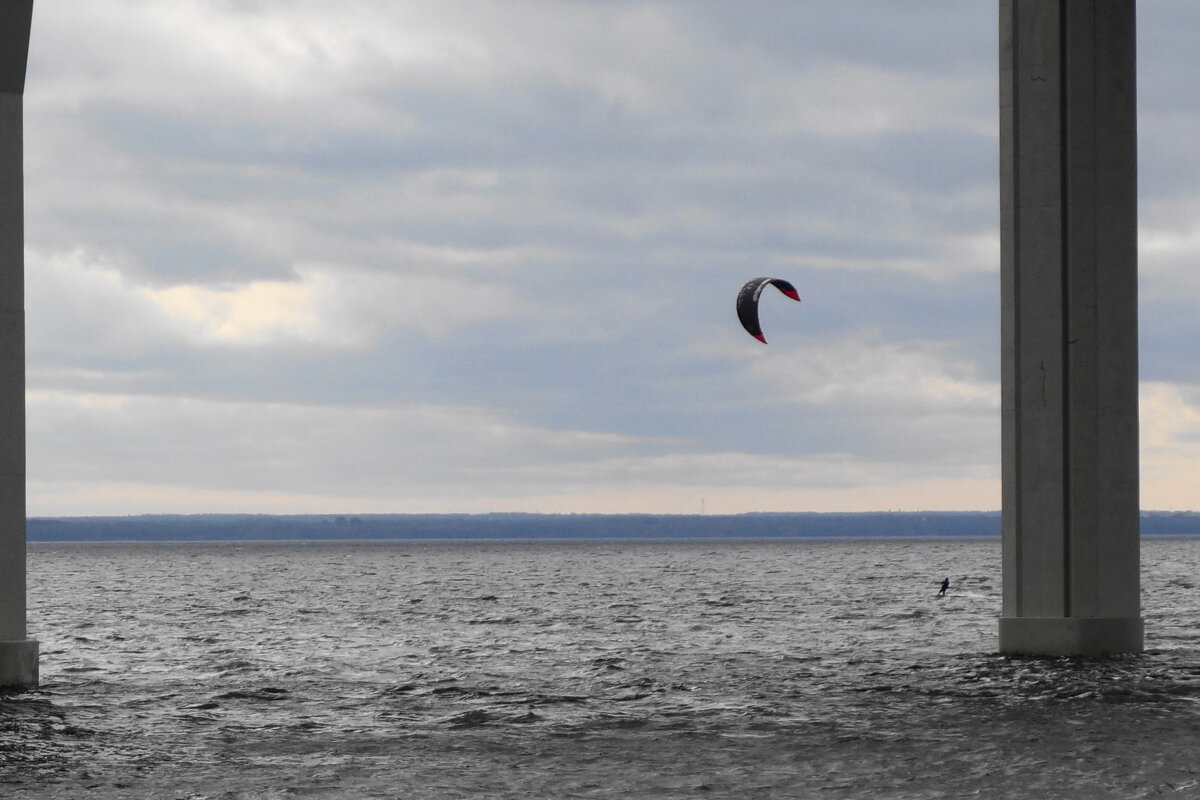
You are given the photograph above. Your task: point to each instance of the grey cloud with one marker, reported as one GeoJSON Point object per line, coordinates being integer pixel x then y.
{"type": "Point", "coordinates": [616, 169]}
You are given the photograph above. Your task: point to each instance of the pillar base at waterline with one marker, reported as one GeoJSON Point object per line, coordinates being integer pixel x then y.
{"type": "Point", "coordinates": [18, 664]}
{"type": "Point", "coordinates": [1071, 636]}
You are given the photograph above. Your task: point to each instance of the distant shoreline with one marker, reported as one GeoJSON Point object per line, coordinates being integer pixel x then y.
{"type": "Point", "coordinates": [513, 527]}
{"type": "Point", "coordinates": [548, 541]}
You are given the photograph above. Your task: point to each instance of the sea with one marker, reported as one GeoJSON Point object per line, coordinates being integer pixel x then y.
{"type": "Point", "coordinates": [785, 668]}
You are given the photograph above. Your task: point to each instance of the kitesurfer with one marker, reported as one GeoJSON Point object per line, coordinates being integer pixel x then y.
{"type": "Point", "coordinates": [945, 586]}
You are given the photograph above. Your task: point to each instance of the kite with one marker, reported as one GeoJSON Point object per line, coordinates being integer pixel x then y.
{"type": "Point", "coordinates": [747, 303]}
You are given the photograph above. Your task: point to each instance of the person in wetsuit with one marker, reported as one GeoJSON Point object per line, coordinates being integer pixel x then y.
{"type": "Point", "coordinates": [945, 586]}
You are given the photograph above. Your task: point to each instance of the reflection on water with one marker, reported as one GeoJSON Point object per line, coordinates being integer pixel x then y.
{"type": "Point", "coordinates": [714, 669]}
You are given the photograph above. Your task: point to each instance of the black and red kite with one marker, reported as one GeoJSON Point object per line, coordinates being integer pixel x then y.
{"type": "Point", "coordinates": [747, 303]}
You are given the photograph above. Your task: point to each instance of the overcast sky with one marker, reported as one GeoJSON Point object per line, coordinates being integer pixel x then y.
{"type": "Point", "coordinates": [481, 255]}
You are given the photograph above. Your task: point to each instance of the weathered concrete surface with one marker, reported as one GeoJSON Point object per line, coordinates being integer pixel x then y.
{"type": "Point", "coordinates": [1068, 198]}
{"type": "Point", "coordinates": [18, 654]}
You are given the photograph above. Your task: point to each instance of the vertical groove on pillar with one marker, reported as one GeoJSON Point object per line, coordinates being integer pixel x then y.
{"type": "Point", "coordinates": [1015, 321]}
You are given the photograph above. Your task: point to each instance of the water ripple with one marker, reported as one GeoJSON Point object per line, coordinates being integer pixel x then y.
{"type": "Point", "coordinates": [731, 669]}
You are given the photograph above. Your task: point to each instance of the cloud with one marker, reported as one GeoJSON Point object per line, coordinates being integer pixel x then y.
{"type": "Point", "coordinates": [99, 310]}
{"type": "Point", "coordinates": [331, 307]}
{"type": "Point", "coordinates": [1170, 445]}
{"type": "Point", "coordinates": [397, 450]}
{"type": "Point", "coordinates": [84, 307]}
{"type": "Point", "coordinates": [110, 453]}
{"type": "Point", "coordinates": [905, 376]}
{"type": "Point", "coordinates": [502, 241]}
{"type": "Point", "coordinates": [851, 99]}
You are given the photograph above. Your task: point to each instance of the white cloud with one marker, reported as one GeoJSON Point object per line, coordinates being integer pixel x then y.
{"type": "Point", "coordinates": [81, 306]}
{"type": "Point", "coordinates": [255, 313]}
{"type": "Point", "coordinates": [397, 451]}
{"type": "Point", "coordinates": [186, 55]}
{"type": "Point", "coordinates": [1169, 247]}
{"type": "Point", "coordinates": [852, 99]}
{"type": "Point", "coordinates": [956, 255]}
{"type": "Point", "coordinates": [862, 375]}
{"type": "Point", "coordinates": [1170, 445]}
{"type": "Point", "coordinates": [127, 454]}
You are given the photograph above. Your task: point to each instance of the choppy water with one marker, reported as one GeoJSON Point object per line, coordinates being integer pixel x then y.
{"type": "Point", "coordinates": [656, 670]}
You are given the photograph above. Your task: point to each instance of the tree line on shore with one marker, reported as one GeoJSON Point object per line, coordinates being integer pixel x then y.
{"type": "Point", "coordinates": [506, 526]}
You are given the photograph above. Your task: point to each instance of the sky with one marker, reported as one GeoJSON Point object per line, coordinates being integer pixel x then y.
{"type": "Point", "coordinates": [481, 255]}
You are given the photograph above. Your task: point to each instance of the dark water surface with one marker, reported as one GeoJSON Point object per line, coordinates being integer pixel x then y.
{"type": "Point", "coordinates": [606, 669]}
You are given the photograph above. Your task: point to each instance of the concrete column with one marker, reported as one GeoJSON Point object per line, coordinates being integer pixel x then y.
{"type": "Point", "coordinates": [18, 653]}
{"type": "Point", "coordinates": [1068, 263]}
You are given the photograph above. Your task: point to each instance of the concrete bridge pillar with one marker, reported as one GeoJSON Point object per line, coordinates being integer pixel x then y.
{"type": "Point", "coordinates": [18, 653]}
{"type": "Point", "coordinates": [1068, 207]}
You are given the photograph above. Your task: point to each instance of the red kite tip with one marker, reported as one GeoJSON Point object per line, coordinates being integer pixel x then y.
{"type": "Point", "coordinates": [760, 337]}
